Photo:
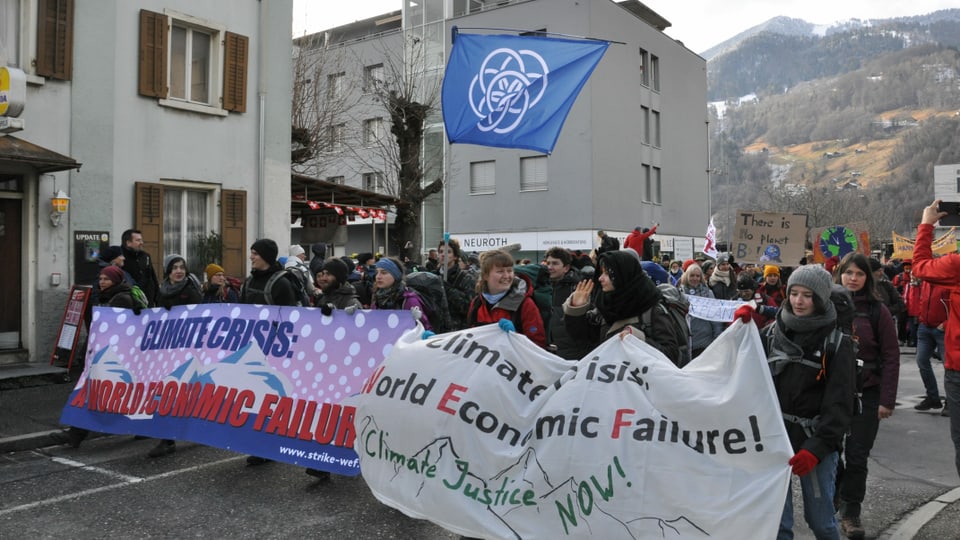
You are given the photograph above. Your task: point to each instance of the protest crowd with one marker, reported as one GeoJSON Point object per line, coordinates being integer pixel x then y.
{"type": "Point", "coordinates": [832, 332]}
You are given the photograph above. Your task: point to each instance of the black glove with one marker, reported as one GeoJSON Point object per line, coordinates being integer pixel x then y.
{"type": "Point", "coordinates": [326, 309]}
{"type": "Point", "coordinates": [137, 310]}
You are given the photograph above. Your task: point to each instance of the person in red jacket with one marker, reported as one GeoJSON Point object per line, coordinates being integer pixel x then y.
{"type": "Point", "coordinates": [944, 271]}
{"type": "Point", "coordinates": [900, 282]}
{"type": "Point", "coordinates": [911, 297]}
{"type": "Point", "coordinates": [638, 241]}
{"type": "Point", "coordinates": [931, 318]}
{"type": "Point", "coordinates": [503, 295]}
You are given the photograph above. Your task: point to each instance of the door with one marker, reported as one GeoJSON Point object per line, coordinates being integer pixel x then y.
{"type": "Point", "coordinates": [10, 285]}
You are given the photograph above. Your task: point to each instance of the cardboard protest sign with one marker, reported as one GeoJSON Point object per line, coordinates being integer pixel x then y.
{"type": "Point", "coordinates": [262, 380]}
{"type": "Point", "coordinates": [839, 240]}
{"type": "Point", "coordinates": [768, 237]}
{"type": "Point", "coordinates": [487, 435]}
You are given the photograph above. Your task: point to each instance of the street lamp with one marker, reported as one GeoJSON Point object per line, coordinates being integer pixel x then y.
{"type": "Point", "coordinates": [60, 203]}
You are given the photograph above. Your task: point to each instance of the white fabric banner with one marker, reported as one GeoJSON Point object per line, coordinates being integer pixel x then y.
{"type": "Point", "coordinates": [486, 434]}
{"type": "Point", "coordinates": [711, 309]}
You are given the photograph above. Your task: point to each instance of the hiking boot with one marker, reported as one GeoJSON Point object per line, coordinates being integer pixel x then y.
{"type": "Point", "coordinates": [851, 527]}
{"type": "Point", "coordinates": [73, 436]}
{"type": "Point", "coordinates": [163, 448]}
{"type": "Point", "coordinates": [944, 412]}
{"type": "Point", "coordinates": [317, 473]}
{"type": "Point", "coordinates": [927, 404]}
{"type": "Point", "coordinates": [256, 460]}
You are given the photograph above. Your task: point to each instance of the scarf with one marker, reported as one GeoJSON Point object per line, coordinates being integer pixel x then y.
{"type": "Point", "coordinates": [634, 293]}
{"type": "Point", "coordinates": [793, 334]}
{"type": "Point", "coordinates": [493, 298]}
{"type": "Point", "coordinates": [391, 298]}
{"type": "Point", "coordinates": [720, 277]}
{"type": "Point", "coordinates": [699, 290]}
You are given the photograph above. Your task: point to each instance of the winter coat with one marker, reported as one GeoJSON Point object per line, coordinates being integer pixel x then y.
{"type": "Point", "coordinates": [933, 304]}
{"type": "Point", "coordinates": [460, 287]}
{"type": "Point", "coordinates": [117, 296]}
{"type": "Point", "coordinates": [400, 297]}
{"type": "Point", "coordinates": [219, 294]}
{"type": "Point", "coordinates": [945, 272]}
{"type": "Point", "coordinates": [557, 336]}
{"type": "Point", "coordinates": [890, 297]}
{"type": "Point", "coordinates": [341, 297]}
{"type": "Point", "coordinates": [635, 241]}
{"type": "Point", "coordinates": [179, 294]}
{"type": "Point", "coordinates": [911, 299]}
{"type": "Point", "coordinates": [253, 290]}
{"type": "Point", "coordinates": [140, 268]}
{"type": "Point", "coordinates": [517, 305]}
{"type": "Point", "coordinates": [702, 331]}
{"type": "Point", "coordinates": [721, 290]}
{"type": "Point", "coordinates": [803, 393]}
{"type": "Point", "coordinates": [880, 353]}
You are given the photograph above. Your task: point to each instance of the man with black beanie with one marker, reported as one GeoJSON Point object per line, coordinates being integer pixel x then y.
{"type": "Point", "coordinates": [335, 293]}
{"type": "Point", "coordinates": [263, 261]}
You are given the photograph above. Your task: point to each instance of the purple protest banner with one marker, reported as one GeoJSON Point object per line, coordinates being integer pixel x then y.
{"type": "Point", "coordinates": [261, 380]}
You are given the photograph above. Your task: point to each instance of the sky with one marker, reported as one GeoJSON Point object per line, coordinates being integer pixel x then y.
{"type": "Point", "coordinates": [699, 24]}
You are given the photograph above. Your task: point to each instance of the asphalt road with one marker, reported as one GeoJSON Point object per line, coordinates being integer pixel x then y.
{"type": "Point", "coordinates": [109, 489]}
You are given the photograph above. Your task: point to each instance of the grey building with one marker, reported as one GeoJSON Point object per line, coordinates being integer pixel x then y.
{"type": "Point", "coordinates": [633, 151]}
{"type": "Point", "coordinates": [170, 116]}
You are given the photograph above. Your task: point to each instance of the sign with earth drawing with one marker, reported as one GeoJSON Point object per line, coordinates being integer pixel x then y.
{"type": "Point", "coordinates": [839, 240]}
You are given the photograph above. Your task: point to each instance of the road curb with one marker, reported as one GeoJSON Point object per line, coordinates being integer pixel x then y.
{"type": "Point", "coordinates": [908, 528]}
{"type": "Point", "coordinates": [29, 441]}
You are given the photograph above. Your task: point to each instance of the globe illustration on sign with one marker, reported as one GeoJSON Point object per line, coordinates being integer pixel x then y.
{"type": "Point", "coordinates": [838, 241]}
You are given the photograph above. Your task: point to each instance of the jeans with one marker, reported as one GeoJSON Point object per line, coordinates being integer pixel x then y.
{"type": "Point", "coordinates": [951, 384]}
{"type": "Point", "coordinates": [817, 487]}
{"type": "Point", "coordinates": [928, 337]}
{"type": "Point", "coordinates": [859, 442]}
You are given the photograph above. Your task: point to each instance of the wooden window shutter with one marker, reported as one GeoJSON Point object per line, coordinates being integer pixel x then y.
{"type": "Point", "coordinates": [236, 54]}
{"type": "Point", "coordinates": [55, 39]}
{"type": "Point", "coordinates": [233, 228]}
{"type": "Point", "coordinates": [153, 54]}
{"type": "Point", "coordinates": [148, 218]}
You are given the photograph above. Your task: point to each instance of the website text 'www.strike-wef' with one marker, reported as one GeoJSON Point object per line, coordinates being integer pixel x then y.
{"type": "Point", "coordinates": [320, 457]}
{"type": "Point", "coordinates": [325, 423]}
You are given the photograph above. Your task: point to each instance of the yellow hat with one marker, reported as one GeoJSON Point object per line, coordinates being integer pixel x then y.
{"type": "Point", "coordinates": [771, 269]}
{"type": "Point", "coordinates": [212, 269]}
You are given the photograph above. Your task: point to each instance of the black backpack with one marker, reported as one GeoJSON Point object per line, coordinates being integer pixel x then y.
{"type": "Point", "coordinates": [429, 287]}
{"type": "Point", "coordinates": [674, 306]}
{"type": "Point", "coordinates": [299, 292]}
{"type": "Point", "coordinates": [539, 279]}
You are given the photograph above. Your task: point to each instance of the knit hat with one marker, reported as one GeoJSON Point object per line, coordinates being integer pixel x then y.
{"type": "Point", "coordinates": [337, 269]}
{"type": "Point", "coordinates": [391, 267]}
{"type": "Point", "coordinates": [110, 253]}
{"type": "Point", "coordinates": [708, 265]}
{"type": "Point", "coordinates": [115, 274]}
{"type": "Point", "coordinates": [874, 264]}
{"type": "Point", "coordinates": [296, 250]}
{"type": "Point", "coordinates": [363, 258]}
{"type": "Point", "coordinates": [655, 271]}
{"type": "Point", "coordinates": [169, 260]}
{"type": "Point", "coordinates": [212, 269]}
{"type": "Point", "coordinates": [724, 258]}
{"type": "Point", "coordinates": [687, 263]}
{"type": "Point", "coordinates": [745, 282]}
{"type": "Point", "coordinates": [351, 266]}
{"type": "Point", "coordinates": [814, 278]}
{"type": "Point", "coordinates": [267, 249]}
{"type": "Point", "coordinates": [771, 269]}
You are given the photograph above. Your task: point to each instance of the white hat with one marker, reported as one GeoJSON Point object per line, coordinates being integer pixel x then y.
{"type": "Point", "coordinates": [296, 250]}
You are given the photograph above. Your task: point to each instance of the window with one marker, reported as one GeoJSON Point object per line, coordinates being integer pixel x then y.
{"type": "Point", "coordinates": [335, 137]}
{"type": "Point", "coordinates": [372, 131]}
{"type": "Point", "coordinates": [655, 72]}
{"type": "Point", "coordinates": [180, 58]}
{"type": "Point", "coordinates": [335, 85]}
{"type": "Point", "coordinates": [533, 173]}
{"type": "Point", "coordinates": [644, 67]}
{"type": "Point", "coordinates": [336, 180]}
{"type": "Point", "coordinates": [54, 39]}
{"type": "Point", "coordinates": [647, 181]}
{"type": "Point", "coordinates": [10, 33]}
{"type": "Point", "coordinates": [374, 182]}
{"type": "Point", "coordinates": [655, 128]}
{"type": "Point", "coordinates": [482, 181]}
{"type": "Point", "coordinates": [645, 125]}
{"type": "Point", "coordinates": [171, 217]}
{"type": "Point", "coordinates": [372, 77]}
{"type": "Point", "coordinates": [657, 193]}
{"type": "Point", "coordinates": [184, 219]}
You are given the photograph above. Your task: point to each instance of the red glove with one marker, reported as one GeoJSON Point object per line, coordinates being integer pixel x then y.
{"type": "Point", "coordinates": [744, 313]}
{"type": "Point", "coordinates": [803, 462]}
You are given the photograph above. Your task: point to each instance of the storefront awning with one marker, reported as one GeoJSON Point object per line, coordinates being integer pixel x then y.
{"type": "Point", "coordinates": [14, 151]}
{"type": "Point", "coordinates": [305, 188]}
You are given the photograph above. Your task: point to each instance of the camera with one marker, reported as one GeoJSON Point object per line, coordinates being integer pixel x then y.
{"type": "Point", "coordinates": [952, 219]}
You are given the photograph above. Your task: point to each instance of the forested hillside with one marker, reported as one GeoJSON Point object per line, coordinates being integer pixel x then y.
{"type": "Point", "coordinates": [848, 136]}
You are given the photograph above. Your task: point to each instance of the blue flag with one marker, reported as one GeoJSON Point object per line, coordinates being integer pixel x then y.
{"type": "Point", "coordinates": [514, 91]}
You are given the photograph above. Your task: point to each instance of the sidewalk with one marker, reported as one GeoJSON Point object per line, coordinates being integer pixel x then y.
{"type": "Point", "coordinates": [30, 411]}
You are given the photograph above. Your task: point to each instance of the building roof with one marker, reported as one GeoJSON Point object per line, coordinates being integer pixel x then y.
{"type": "Point", "coordinates": [304, 188]}
{"type": "Point", "coordinates": [14, 151]}
{"type": "Point", "coordinates": [642, 11]}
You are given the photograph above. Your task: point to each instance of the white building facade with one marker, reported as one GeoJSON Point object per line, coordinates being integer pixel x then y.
{"type": "Point", "coordinates": [169, 116]}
